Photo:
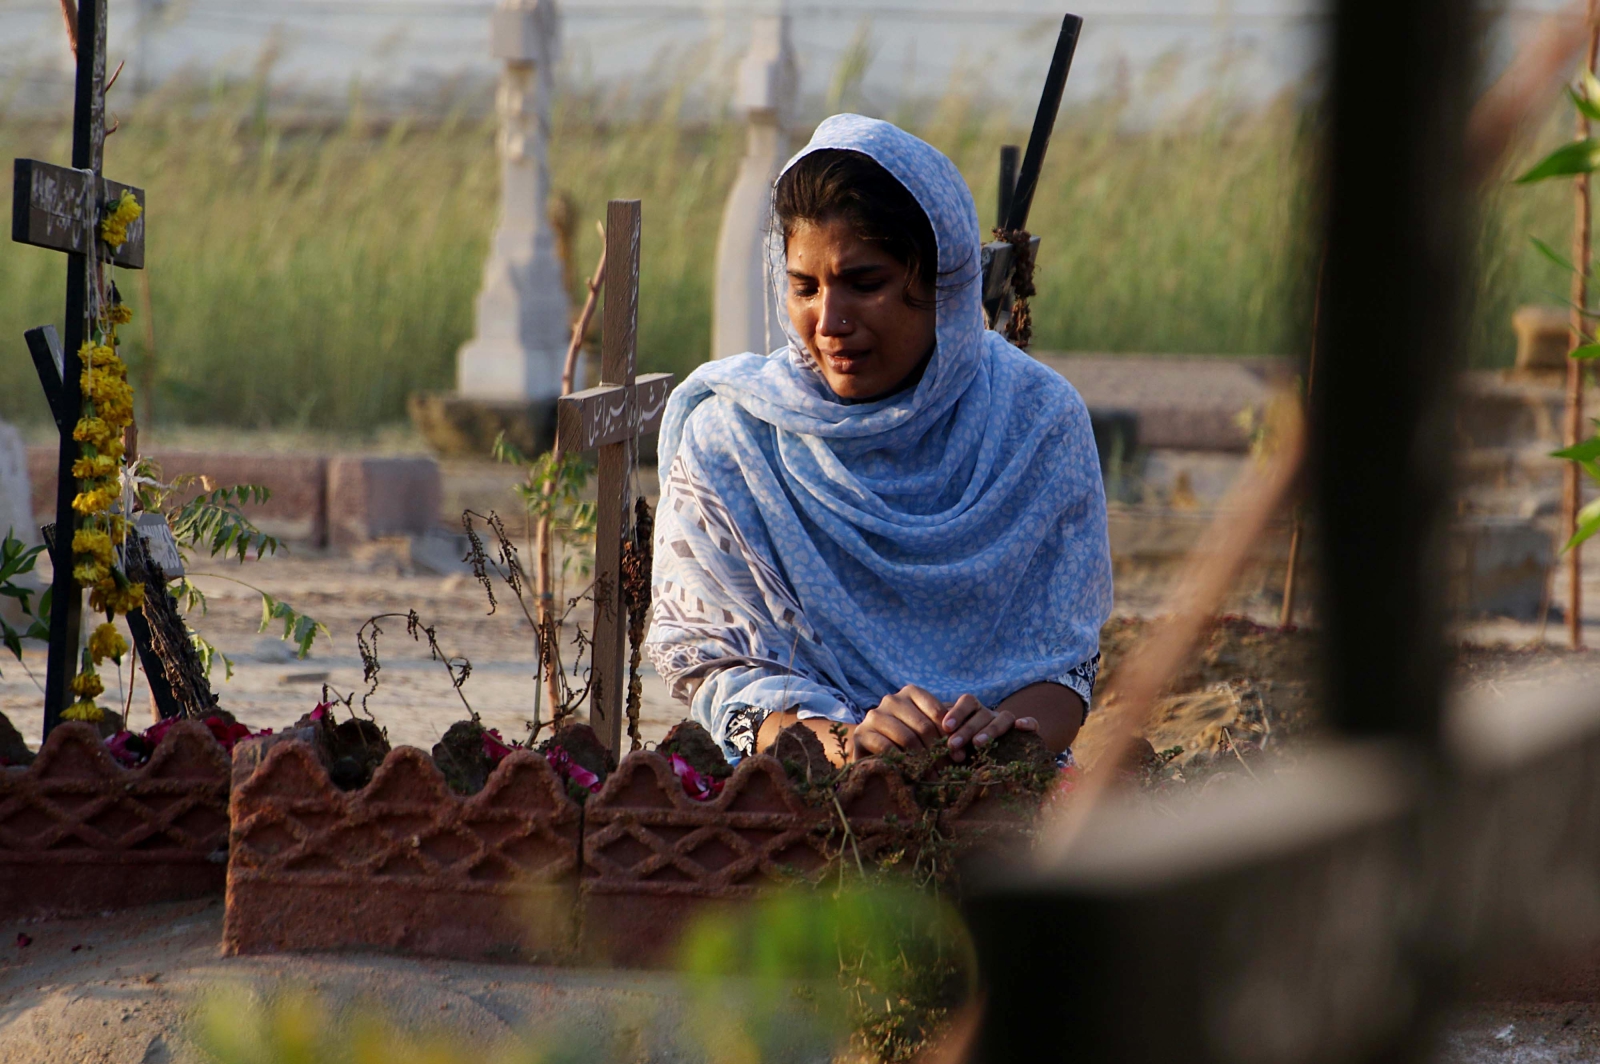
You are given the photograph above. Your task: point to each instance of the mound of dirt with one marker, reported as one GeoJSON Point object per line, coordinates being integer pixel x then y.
{"type": "Point", "coordinates": [1249, 686]}
{"type": "Point", "coordinates": [461, 757]}
{"type": "Point", "coordinates": [695, 745]}
{"type": "Point", "coordinates": [583, 746]}
{"type": "Point", "coordinates": [803, 756]}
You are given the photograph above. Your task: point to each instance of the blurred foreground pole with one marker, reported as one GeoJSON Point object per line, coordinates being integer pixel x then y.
{"type": "Point", "coordinates": [1286, 920]}
{"type": "Point", "coordinates": [1390, 345]}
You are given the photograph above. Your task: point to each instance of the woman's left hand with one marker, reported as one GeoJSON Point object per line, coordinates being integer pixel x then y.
{"type": "Point", "coordinates": [970, 725]}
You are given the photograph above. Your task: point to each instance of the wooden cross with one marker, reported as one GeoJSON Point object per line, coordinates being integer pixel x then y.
{"type": "Point", "coordinates": [60, 207]}
{"type": "Point", "coordinates": [612, 417]}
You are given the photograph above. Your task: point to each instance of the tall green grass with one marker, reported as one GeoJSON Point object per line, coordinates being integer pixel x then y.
{"type": "Point", "coordinates": [307, 274]}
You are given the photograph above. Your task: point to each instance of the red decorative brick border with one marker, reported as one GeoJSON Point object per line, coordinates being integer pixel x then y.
{"type": "Point", "coordinates": [521, 871]}
{"type": "Point", "coordinates": [403, 863]}
{"type": "Point", "coordinates": [79, 833]}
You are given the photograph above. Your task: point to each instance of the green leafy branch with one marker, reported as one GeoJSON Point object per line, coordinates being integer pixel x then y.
{"type": "Point", "coordinates": [552, 491]}
{"type": "Point", "coordinates": [1571, 160]}
{"type": "Point", "coordinates": [215, 521]}
{"type": "Point", "coordinates": [17, 560]}
{"type": "Point", "coordinates": [553, 488]}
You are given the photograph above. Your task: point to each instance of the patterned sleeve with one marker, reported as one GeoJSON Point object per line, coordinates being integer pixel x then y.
{"type": "Point", "coordinates": [1080, 680]}
{"type": "Point", "coordinates": [724, 624]}
{"type": "Point", "coordinates": [733, 701]}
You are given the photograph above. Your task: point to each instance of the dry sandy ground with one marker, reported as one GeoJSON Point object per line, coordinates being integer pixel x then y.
{"type": "Point", "coordinates": [128, 989]}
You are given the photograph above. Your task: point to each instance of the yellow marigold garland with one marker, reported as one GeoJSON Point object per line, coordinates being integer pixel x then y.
{"type": "Point", "coordinates": [107, 413]}
{"type": "Point", "coordinates": [114, 229]}
{"type": "Point", "coordinates": [107, 642]}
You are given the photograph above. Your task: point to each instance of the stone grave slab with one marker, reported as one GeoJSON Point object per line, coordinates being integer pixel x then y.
{"type": "Point", "coordinates": [1180, 402]}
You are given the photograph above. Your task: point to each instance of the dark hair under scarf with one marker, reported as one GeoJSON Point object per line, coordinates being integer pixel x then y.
{"type": "Point", "coordinates": [835, 183]}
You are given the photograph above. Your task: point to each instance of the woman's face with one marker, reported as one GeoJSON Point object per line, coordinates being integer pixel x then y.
{"type": "Point", "coordinates": [847, 300]}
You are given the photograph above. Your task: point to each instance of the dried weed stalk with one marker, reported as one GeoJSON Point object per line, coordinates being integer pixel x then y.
{"type": "Point", "coordinates": [503, 562]}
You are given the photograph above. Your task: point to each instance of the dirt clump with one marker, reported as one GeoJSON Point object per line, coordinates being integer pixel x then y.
{"type": "Point", "coordinates": [462, 757]}
{"type": "Point", "coordinates": [804, 758]}
{"type": "Point", "coordinates": [584, 747]}
{"type": "Point", "coordinates": [695, 745]}
{"type": "Point", "coordinates": [350, 751]}
{"type": "Point", "coordinates": [358, 748]}
{"type": "Point", "coordinates": [1248, 687]}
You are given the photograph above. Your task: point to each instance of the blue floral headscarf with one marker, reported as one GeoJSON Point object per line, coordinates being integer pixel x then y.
{"type": "Point", "coordinates": [817, 555]}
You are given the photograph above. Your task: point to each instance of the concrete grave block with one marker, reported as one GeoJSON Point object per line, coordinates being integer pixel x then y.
{"type": "Point", "coordinates": [371, 496]}
{"type": "Point", "coordinates": [80, 833]}
{"type": "Point", "coordinates": [1500, 566]}
{"type": "Point", "coordinates": [296, 511]}
{"type": "Point", "coordinates": [42, 484]}
{"type": "Point", "coordinates": [1544, 334]}
{"type": "Point", "coordinates": [16, 512]}
{"type": "Point", "coordinates": [16, 499]}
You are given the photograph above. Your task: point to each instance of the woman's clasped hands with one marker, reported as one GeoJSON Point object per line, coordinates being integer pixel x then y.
{"type": "Point", "coordinates": [913, 719]}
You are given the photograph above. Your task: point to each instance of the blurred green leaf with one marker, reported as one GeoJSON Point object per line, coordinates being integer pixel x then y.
{"type": "Point", "coordinates": [1552, 254]}
{"type": "Point", "coordinates": [884, 964]}
{"type": "Point", "coordinates": [1577, 157]}
{"type": "Point", "coordinates": [16, 560]}
{"type": "Point", "coordinates": [1584, 353]}
{"type": "Point", "coordinates": [1587, 451]}
{"type": "Point", "coordinates": [1586, 107]}
{"type": "Point", "coordinates": [1588, 525]}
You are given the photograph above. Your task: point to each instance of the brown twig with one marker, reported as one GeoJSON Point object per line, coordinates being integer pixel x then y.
{"type": "Point", "coordinates": [1208, 575]}
{"type": "Point", "coordinates": [544, 574]}
{"type": "Point", "coordinates": [69, 12]}
{"type": "Point", "coordinates": [1518, 98]}
{"type": "Point", "coordinates": [1286, 615]}
{"type": "Point", "coordinates": [1572, 483]}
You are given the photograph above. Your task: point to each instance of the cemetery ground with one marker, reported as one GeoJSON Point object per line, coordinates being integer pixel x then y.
{"type": "Point", "coordinates": [132, 986]}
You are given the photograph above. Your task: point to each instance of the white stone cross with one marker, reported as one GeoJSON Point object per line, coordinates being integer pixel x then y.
{"type": "Point", "coordinates": [522, 310]}
{"type": "Point", "coordinates": [745, 318]}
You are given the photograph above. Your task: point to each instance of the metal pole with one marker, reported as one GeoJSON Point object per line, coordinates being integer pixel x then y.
{"type": "Point", "coordinates": [1390, 344]}
{"type": "Point", "coordinates": [88, 141]}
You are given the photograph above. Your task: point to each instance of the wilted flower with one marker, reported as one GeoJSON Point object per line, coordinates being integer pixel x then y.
{"type": "Point", "coordinates": [107, 642]}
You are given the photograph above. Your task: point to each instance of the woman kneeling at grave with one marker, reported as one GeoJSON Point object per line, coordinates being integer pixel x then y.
{"type": "Point", "coordinates": [896, 523]}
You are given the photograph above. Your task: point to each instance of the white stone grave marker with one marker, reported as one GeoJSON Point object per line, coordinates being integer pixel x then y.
{"type": "Point", "coordinates": [745, 317]}
{"type": "Point", "coordinates": [522, 310]}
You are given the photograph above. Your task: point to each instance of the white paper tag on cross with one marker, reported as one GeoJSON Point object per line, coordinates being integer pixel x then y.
{"type": "Point", "coordinates": [159, 541]}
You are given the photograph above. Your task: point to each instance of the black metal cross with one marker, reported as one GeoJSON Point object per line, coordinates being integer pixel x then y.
{"type": "Point", "coordinates": [60, 207]}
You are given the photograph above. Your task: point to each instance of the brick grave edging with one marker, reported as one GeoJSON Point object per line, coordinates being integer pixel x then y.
{"type": "Point", "coordinates": [519, 871]}
{"type": "Point", "coordinates": [80, 833]}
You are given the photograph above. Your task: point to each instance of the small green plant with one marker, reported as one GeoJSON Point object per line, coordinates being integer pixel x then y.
{"type": "Point", "coordinates": [879, 965]}
{"type": "Point", "coordinates": [552, 490]}
{"type": "Point", "coordinates": [17, 560]}
{"type": "Point", "coordinates": [1572, 159]}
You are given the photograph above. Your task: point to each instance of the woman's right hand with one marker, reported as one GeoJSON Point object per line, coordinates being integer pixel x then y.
{"type": "Point", "coordinates": [906, 720]}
